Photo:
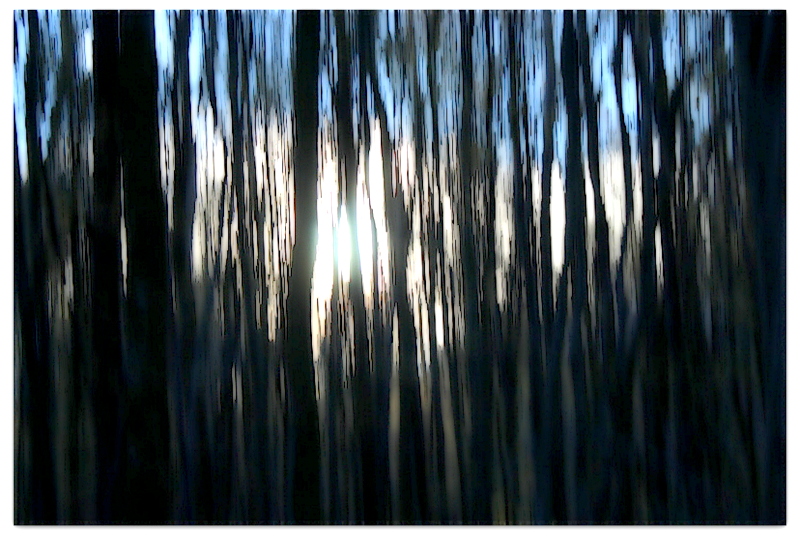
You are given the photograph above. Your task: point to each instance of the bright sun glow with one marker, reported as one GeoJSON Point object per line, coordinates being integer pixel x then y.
{"type": "Point", "coordinates": [343, 243]}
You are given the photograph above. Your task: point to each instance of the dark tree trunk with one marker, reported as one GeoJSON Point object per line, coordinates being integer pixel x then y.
{"type": "Point", "coordinates": [548, 379]}
{"type": "Point", "coordinates": [761, 60]}
{"type": "Point", "coordinates": [647, 279]}
{"type": "Point", "coordinates": [184, 203]}
{"type": "Point", "coordinates": [520, 277]}
{"type": "Point", "coordinates": [146, 460]}
{"type": "Point", "coordinates": [647, 302]}
{"type": "Point", "coordinates": [246, 317]}
{"type": "Point", "coordinates": [108, 388]}
{"type": "Point", "coordinates": [575, 257]}
{"type": "Point", "coordinates": [29, 279]}
{"type": "Point", "coordinates": [479, 503]}
{"type": "Point", "coordinates": [603, 267]}
{"type": "Point", "coordinates": [490, 311]}
{"type": "Point", "coordinates": [605, 335]}
{"type": "Point", "coordinates": [304, 451]}
{"type": "Point", "coordinates": [480, 376]}
{"type": "Point", "coordinates": [382, 371]}
{"type": "Point", "coordinates": [628, 174]}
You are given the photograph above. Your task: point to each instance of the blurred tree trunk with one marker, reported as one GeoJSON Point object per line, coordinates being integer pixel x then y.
{"type": "Point", "coordinates": [530, 283]}
{"type": "Point", "coordinates": [622, 313]}
{"type": "Point", "coordinates": [604, 334]}
{"type": "Point", "coordinates": [573, 387]}
{"type": "Point", "coordinates": [184, 204]}
{"type": "Point", "coordinates": [108, 387]}
{"type": "Point", "coordinates": [647, 278]}
{"type": "Point", "coordinates": [382, 350]}
{"type": "Point", "coordinates": [304, 450]}
{"type": "Point", "coordinates": [146, 472]}
{"type": "Point", "coordinates": [38, 334]}
{"type": "Point", "coordinates": [643, 483]}
{"type": "Point", "coordinates": [547, 396]}
{"type": "Point", "coordinates": [245, 245]}
{"type": "Point", "coordinates": [29, 279]}
{"type": "Point", "coordinates": [761, 58]}
{"type": "Point", "coordinates": [603, 289]}
{"type": "Point", "coordinates": [22, 467]}
{"type": "Point", "coordinates": [479, 509]}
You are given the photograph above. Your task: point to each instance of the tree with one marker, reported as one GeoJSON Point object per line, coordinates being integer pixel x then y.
{"type": "Point", "coordinates": [304, 474]}
{"type": "Point", "coordinates": [146, 473]}
{"type": "Point", "coordinates": [173, 364]}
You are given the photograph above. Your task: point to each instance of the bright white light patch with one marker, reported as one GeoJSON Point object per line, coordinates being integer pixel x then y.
{"type": "Point", "coordinates": [439, 314]}
{"type": "Point", "coordinates": [87, 51]}
{"type": "Point", "coordinates": [343, 242]}
{"type": "Point", "coordinates": [558, 218]}
{"type": "Point", "coordinates": [364, 235]}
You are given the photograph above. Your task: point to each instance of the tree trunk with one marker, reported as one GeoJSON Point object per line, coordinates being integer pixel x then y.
{"type": "Point", "coordinates": [109, 388]}
{"type": "Point", "coordinates": [304, 474]}
{"type": "Point", "coordinates": [573, 403]}
{"type": "Point", "coordinates": [146, 466]}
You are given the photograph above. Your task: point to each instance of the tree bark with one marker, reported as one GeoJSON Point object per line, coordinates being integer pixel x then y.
{"type": "Point", "coordinates": [146, 467]}
{"type": "Point", "coordinates": [106, 270]}
{"type": "Point", "coordinates": [304, 474]}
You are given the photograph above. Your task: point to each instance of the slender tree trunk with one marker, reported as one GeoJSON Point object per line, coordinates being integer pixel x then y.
{"type": "Point", "coordinates": [30, 277]}
{"type": "Point", "coordinates": [761, 60]}
{"type": "Point", "coordinates": [109, 389]}
{"type": "Point", "coordinates": [479, 503]}
{"type": "Point", "coordinates": [547, 397]}
{"type": "Point", "coordinates": [184, 204]}
{"type": "Point", "coordinates": [490, 311]}
{"type": "Point", "coordinates": [382, 371]}
{"type": "Point", "coordinates": [647, 280]}
{"type": "Point", "coordinates": [605, 330]}
{"type": "Point", "coordinates": [304, 471]}
{"type": "Point", "coordinates": [573, 403]}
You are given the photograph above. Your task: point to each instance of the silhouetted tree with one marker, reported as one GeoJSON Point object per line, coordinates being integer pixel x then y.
{"type": "Point", "coordinates": [303, 453]}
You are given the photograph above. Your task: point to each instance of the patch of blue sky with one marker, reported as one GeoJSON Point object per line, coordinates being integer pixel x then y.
{"type": "Point", "coordinates": [195, 65]}
{"type": "Point", "coordinates": [672, 48]}
{"type": "Point", "coordinates": [728, 38]}
{"type": "Point", "coordinates": [20, 62]}
{"type": "Point", "coordinates": [480, 75]}
{"type": "Point", "coordinates": [422, 71]}
{"type": "Point", "coordinates": [221, 80]}
{"type": "Point", "coordinates": [603, 79]}
{"type": "Point", "coordinates": [390, 15]}
{"type": "Point", "coordinates": [407, 118]}
{"type": "Point", "coordinates": [496, 36]}
{"type": "Point", "coordinates": [428, 124]}
{"type": "Point", "coordinates": [329, 39]}
{"type": "Point", "coordinates": [165, 49]}
{"type": "Point", "coordinates": [558, 31]}
{"type": "Point", "coordinates": [325, 95]}
{"type": "Point", "coordinates": [50, 49]}
{"type": "Point", "coordinates": [630, 89]}
{"type": "Point", "coordinates": [87, 63]}
{"type": "Point", "coordinates": [252, 83]}
{"type": "Point", "coordinates": [502, 99]}
{"type": "Point", "coordinates": [535, 65]}
{"type": "Point", "coordinates": [387, 95]}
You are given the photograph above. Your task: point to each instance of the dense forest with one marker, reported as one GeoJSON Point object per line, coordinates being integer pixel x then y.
{"type": "Point", "coordinates": [399, 267]}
